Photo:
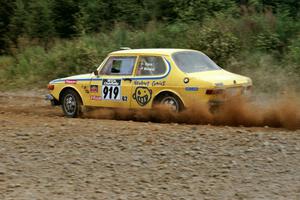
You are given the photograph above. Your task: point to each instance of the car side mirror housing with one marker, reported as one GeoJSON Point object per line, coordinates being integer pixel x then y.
{"type": "Point", "coordinates": [96, 72]}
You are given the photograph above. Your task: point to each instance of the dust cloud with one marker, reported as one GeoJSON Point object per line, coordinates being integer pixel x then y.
{"type": "Point", "coordinates": [282, 112]}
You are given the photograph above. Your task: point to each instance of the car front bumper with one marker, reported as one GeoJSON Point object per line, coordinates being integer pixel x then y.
{"type": "Point", "coordinates": [54, 102]}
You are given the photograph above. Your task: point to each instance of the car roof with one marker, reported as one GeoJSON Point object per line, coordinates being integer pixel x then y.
{"type": "Point", "coordinates": [157, 51]}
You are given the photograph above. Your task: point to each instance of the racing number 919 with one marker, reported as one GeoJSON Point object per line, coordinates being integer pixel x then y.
{"type": "Point", "coordinates": [111, 92]}
{"type": "Point", "coordinates": [111, 89]}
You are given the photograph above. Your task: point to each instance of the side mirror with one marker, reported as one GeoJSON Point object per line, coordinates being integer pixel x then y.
{"type": "Point", "coordinates": [96, 72]}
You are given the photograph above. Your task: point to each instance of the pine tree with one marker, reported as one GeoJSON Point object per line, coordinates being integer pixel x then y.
{"type": "Point", "coordinates": [93, 16]}
{"type": "Point", "coordinates": [17, 25]}
{"type": "Point", "coordinates": [64, 14]}
{"type": "Point", "coordinates": [5, 17]}
{"type": "Point", "coordinates": [40, 23]}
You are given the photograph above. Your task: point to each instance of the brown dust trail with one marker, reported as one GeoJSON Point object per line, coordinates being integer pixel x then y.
{"type": "Point", "coordinates": [238, 111]}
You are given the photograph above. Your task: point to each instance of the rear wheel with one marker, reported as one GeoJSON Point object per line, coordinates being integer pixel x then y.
{"type": "Point", "coordinates": [172, 102]}
{"type": "Point", "coordinates": [71, 104]}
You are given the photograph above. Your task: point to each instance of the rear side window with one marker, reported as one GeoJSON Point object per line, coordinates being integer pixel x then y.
{"type": "Point", "coordinates": [194, 61]}
{"type": "Point", "coordinates": [150, 65]}
{"type": "Point", "coordinates": [118, 66]}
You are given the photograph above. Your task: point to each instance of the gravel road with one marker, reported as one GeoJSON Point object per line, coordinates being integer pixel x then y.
{"type": "Point", "coordinates": [46, 156]}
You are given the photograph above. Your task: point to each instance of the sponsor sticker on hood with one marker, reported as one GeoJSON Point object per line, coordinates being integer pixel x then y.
{"type": "Point", "coordinates": [70, 81]}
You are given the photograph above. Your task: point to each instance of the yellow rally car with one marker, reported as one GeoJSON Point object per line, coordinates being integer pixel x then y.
{"type": "Point", "coordinates": [141, 78]}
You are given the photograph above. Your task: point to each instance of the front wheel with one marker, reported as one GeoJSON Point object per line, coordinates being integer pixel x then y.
{"type": "Point", "coordinates": [71, 104]}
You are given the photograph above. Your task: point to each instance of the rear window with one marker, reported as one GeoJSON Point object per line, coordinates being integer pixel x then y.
{"type": "Point", "coordinates": [194, 61]}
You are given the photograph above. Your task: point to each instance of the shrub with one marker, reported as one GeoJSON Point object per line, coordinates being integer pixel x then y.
{"type": "Point", "coordinates": [267, 41]}
{"type": "Point", "coordinates": [215, 41]}
{"type": "Point", "coordinates": [268, 75]}
{"type": "Point", "coordinates": [293, 56]}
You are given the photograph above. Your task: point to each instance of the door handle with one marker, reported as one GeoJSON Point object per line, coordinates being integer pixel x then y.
{"type": "Point", "coordinates": [127, 79]}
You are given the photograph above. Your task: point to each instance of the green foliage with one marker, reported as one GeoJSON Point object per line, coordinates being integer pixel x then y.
{"type": "Point", "coordinates": [217, 42]}
{"type": "Point", "coordinates": [36, 66]}
{"type": "Point", "coordinates": [92, 16]}
{"type": "Point", "coordinates": [286, 27]}
{"type": "Point", "coordinates": [267, 41]}
{"type": "Point", "coordinates": [40, 24]}
{"type": "Point", "coordinates": [294, 52]}
{"type": "Point", "coordinates": [17, 26]}
{"type": "Point", "coordinates": [268, 75]}
{"type": "Point", "coordinates": [46, 39]}
{"type": "Point", "coordinates": [64, 15]}
{"type": "Point", "coordinates": [198, 10]}
{"type": "Point", "coordinates": [46, 19]}
{"type": "Point", "coordinates": [5, 18]}
{"type": "Point", "coordinates": [293, 56]}
{"type": "Point", "coordinates": [128, 11]}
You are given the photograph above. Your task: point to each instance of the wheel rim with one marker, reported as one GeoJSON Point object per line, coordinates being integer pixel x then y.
{"type": "Point", "coordinates": [171, 103]}
{"type": "Point", "coordinates": [70, 104]}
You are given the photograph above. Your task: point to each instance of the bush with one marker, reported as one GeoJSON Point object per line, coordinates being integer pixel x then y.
{"type": "Point", "coordinates": [267, 41]}
{"type": "Point", "coordinates": [215, 41]}
{"type": "Point", "coordinates": [294, 51]}
{"type": "Point", "coordinates": [37, 67]}
{"type": "Point", "coordinates": [268, 75]}
{"type": "Point", "coordinates": [292, 58]}
{"type": "Point", "coordinates": [198, 10]}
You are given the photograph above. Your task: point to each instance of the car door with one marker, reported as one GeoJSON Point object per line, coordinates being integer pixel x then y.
{"type": "Point", "coordinates": [149, 80]}
{"type": "Point", "coordinates": [113, 86]}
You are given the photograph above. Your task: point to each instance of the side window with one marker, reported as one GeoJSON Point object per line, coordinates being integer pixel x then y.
{"type": "Point", "coordinates": [118, 66]}
{"type": "Point", "coordinates": [150, 65]}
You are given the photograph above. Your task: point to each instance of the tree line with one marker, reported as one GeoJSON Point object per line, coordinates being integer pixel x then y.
{"type": "Point", "coordinates": [43, 20]}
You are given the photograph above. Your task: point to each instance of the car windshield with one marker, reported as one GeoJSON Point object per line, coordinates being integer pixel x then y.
{"type": "Point", "coordinates": [194, 61]}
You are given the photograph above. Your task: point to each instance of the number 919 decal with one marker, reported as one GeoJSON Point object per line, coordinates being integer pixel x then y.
{"type": "Point", "coordinates": [111, 89]}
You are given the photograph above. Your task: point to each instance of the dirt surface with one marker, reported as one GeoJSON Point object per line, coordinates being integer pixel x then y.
{"type": "Point", "coordinates": [46, 156]}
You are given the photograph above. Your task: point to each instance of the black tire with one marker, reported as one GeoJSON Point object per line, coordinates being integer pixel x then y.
{"type": "Point", "coordinates": [173, 101]}
{"type": "Point", "coordinates": [71, 104]}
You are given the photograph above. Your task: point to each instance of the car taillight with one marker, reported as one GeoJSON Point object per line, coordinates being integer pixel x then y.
{"type": "Point", "coordinates": [247, 90]}
{"type": "Point", "coordinates": [50, 87]}
{"type": "Point", "coordinates": [214, 91]}
{"type": "Point", "coordinates": [249, 87]}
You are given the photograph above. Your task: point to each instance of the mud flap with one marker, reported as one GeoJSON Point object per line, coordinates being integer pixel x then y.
{"type": "Point", "coordinates": [53, 101]}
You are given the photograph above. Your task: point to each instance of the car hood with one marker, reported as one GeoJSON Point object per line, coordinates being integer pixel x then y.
{"type": "Point", "coordinates": [80, 76]}
{"type": "Point", "coordinates": [75, 77]}
{"type": "Point", "coordinates": [221, 77]}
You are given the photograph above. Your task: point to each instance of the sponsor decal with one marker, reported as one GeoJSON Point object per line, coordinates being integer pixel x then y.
{"type": "Point", "coordinates": [142, 83]}
{"type": "Point", "coordinates": [70, 81]}
{"type": "Point", "coordinates": [219, 84]}
{"type": "Point", "coordinates": [111, 89]}
{"type": "Point", "coordinates": [191, 89]}
{"type": "Point", "coordinates": [148, 83]}
{"type": "Point", "coordinates": [158, 83]}
{"type": "Point", "coordinates": [94, 88]}
{"type": "Point", "coordinates": [114, 82]}
{"type": "Point", "coordinates": [142, 95]}
{"type": "Point", "coordinates": [124, 98]}
{"type": "Point", "coordinates": [85, 88]}
{"type": "Point", "coordinates": [96, 98]}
